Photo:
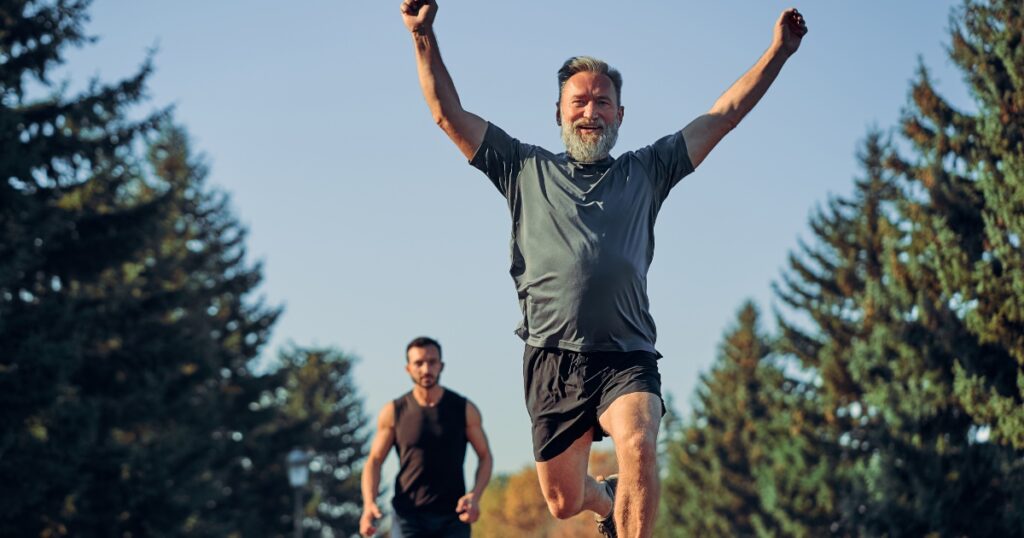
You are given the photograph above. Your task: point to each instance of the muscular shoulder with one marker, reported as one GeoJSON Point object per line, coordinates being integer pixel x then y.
{"type": "Point", "coordinates": [473, 416]}
{"type": "Point", "coordinates": [386, 417]}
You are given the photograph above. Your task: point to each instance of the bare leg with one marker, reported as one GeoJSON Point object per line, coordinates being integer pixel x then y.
{"type": "Point", "coordinates": [567, 487]}
{"type": "Point", "coordinates": [632, 420]}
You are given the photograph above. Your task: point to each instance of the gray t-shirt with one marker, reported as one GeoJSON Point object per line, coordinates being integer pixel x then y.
{"type": "Point", "coordinates": [583, 238]}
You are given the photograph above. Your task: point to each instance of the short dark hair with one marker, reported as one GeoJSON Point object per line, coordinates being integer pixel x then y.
{"type": "Point", "coordinates": [580, 64]}
{"type": "Point", "coordinates": [422, 341]}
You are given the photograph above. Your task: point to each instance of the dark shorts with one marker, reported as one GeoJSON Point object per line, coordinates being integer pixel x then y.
{"type": "Point", "coordinates": [428, 525]}
{"type": "Point", "coordinates": [567, 391]}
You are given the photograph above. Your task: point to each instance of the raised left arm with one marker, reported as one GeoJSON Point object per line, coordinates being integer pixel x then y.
{"type": "Point", "coordinates": [705, 132]}
{"type": "Point", "coordinates": [469, 505]}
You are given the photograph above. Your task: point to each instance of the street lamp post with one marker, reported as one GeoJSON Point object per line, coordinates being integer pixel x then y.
{"type": "Point", "coordinates": [298, 477]}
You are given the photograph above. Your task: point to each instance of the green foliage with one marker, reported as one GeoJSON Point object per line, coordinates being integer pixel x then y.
{"type": "Point", "coordinates": [74, 215]}
{"type": "Point", "coordinates": [971, 168]}
{"type": "Point", "coordinates": [312, 405]}
{"type": "Point", "coordinates": [897, 337]}
{"type": "Point", "coordinates": [884, 342]}
{"type": "Point", "coordinates": [838, 285]}
{"type": "Point", "coordinates": [129, 403]}
{"type": "Point", "coordinates": [746, 464]}
{"type": "Point", "coordinates": [942, 372]}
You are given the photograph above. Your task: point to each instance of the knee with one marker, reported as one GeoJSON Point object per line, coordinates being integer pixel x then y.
{"type": "Point", "coordinates": [563, 506]}
{"type": "Point", "coordinates": [562, 511]}
{"type": "Point", "coordinates": [640, 448]}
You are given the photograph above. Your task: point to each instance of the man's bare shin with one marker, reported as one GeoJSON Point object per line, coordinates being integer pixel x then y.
{"type": "Point", "coordinates": [636, 500]}
{"type": "Point", "coordinates": [633, 420]}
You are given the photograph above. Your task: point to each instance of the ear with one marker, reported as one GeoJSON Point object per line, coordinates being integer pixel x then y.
{"type": "Point", "coordinates": [558, 114]}
{"type": "Point", "coordinates": [408, 368]}
{"type": "Point", "coordinates": [442, 367]}
{"type": "Point", "coordinates": [622, 112]}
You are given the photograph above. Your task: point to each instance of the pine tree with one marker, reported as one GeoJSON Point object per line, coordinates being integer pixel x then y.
{"type": "Point", "coordinates": [922, 474]}
{"type": "Point", "coordinates": [72, 209]}
{"type": "Point", "coordinates": [129, 327]}
{"type": "Point", "coordinates": [946, 363]}
{"type": "Point", "coordinates": [884, 343]}
{"type": "Point", "coordinates": [971, 167]}
{"type": "Point", "coordinates": [711, 486]}
{"type": "Point", "coordinates": [837, 286]}
{"type": "Point", "coordinates": [162, 343]}
{"type": "Point", "coordinates": [309, 403]}
{"type": "Point", "coordinates": [798, 480]}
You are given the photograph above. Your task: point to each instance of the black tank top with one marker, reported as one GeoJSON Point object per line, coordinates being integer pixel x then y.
{"type": "Point", "coordinates": [431, 445]}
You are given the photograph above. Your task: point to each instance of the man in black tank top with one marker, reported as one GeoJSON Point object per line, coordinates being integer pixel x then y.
{"type": "Point", "coordinates": [429, 427]}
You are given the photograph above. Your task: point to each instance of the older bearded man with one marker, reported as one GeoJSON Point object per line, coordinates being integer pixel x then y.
{"type": "Point", "coordinates": [583, 240]}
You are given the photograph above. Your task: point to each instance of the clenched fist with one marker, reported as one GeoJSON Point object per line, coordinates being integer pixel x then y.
{"type": "Point", "coordinates": [418, 15]}
{"type": "Point", "coordinates": [790, 29]}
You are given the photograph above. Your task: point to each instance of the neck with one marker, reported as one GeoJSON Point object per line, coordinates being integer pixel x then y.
{"type": "Point", "coordinates": [427, 397]}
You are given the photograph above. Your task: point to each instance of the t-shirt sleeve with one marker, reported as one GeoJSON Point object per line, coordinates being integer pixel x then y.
{"type": "Point", "coordinates": [667, 161]}
{"type": "Point", "coordinates": [500, 157]}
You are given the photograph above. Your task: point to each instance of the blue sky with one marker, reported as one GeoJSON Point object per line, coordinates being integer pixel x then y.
{"type": "Point", "coordinates": [373, 229]}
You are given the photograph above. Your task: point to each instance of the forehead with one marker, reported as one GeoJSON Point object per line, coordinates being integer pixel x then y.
{"type": "Point", "coordinates": [589, 83]}
{"type": "Point", "coordinates": [417, 353]}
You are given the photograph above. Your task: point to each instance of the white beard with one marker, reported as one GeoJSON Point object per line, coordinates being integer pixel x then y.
{"type": "Point", "coordinates": [587, 152]}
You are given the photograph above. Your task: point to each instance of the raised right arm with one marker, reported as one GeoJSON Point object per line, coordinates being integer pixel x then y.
{"type": "Point", "coordinates": [464, 128]}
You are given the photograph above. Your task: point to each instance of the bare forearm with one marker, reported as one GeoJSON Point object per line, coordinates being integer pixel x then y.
{"type": "Point", "coordinates": [741, 97]}
{"type": "Point", "coordinates": [483, 476]}
{"type": "Point", "coordinates": [371, 482]}
{"type": "Point", "coordinates": [707, 130]}
{"type": "Point", "coordinates": [436, 83]}
{"type": "Point", "coordinates": [466, 130]}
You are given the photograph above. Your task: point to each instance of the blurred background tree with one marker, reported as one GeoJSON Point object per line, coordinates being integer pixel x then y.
{"type": "Point", "coordinates": [747, 463]}
{"type": "Point", "coordinates": [130, 330]}
{"type": "Point", "coordinates": [900, 372]}
{"type": "Point", "coordinates": [513, 505]}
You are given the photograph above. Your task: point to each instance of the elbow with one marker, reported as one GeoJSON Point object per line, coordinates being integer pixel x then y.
{"type": "Point", "coordinates": [373, 462]}
{"type": "Point", "coordinates": [448, 118]}
{"type": "Point", "coordinates": [723, 118]}
{"type": "Point", "coordinates": [448, 126]}
{"type": "Point", "coordinates": [728, 121]}
{"type": "Point", "coordinates": [443, 120]}
{"type": "Point", "coordinates": [440, 120]}
{"type": "Point", "coordinates": [445, 124]}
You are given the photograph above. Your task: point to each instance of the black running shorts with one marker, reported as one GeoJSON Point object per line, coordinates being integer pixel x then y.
{"type": "Point", "coordinates": [566, 391]}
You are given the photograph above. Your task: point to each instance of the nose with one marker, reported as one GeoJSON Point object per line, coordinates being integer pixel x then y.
{"type": "Point", "coordinates": [589, 109]}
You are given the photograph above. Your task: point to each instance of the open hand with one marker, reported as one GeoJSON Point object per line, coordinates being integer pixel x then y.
{"type": "Point", "coordinates": [418, 15]}
{"type": "Point", "coordinates": [468, 508]}
{"type": "Point", "coordinates": [368, 522]}
{"type": "Point", "coordinates": [790, 29]}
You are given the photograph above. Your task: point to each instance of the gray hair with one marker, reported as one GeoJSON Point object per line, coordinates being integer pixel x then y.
{"type": "Point", "coordinates": [579, 64]}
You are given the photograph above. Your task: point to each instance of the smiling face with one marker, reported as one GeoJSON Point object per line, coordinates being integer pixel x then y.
{"type": "Point", "coordinates": [424, 365]}
{"type": "Point", "coordinates": [589, 113]}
